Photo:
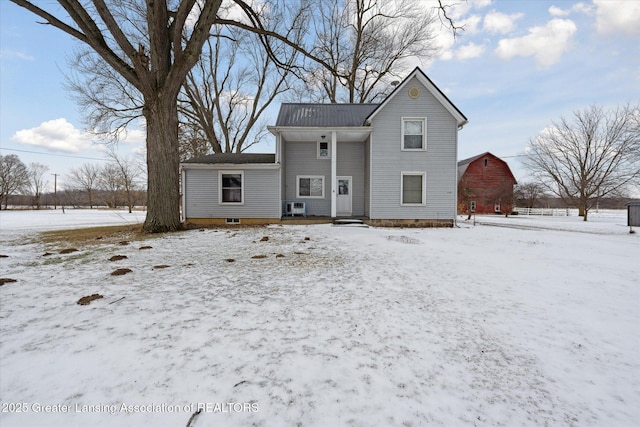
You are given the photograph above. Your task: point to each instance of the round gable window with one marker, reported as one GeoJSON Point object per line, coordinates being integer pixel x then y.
{"type": "Point", "coordinates": [414, 92]}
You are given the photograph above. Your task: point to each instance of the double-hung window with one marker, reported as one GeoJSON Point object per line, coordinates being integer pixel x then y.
{"type": "Point", "coordinates": [231, 185]}
{"type": "Point", "coordinates": [412, 189]}
{"type": "Point", "coordinates": [414, 134]}
{"type": "Point", "coordinates": [310, 186]}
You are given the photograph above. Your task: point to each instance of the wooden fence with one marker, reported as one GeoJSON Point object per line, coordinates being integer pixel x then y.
{"type": "Point", "coordinates": [542, 211]}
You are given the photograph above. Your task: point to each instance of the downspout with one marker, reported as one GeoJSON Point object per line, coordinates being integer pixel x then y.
{"type": "Point", "coordinates": [455, 188]}
{"type": "Point", "coordinates": [183, 211]}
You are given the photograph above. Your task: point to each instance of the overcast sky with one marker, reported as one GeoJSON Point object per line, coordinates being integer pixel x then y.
{"type": "Point", "coordinates": [518, 65]}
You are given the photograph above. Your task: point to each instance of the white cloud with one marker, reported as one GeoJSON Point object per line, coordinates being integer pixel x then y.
{"type": "Point", "coordinates": [501, 23]}
{"type": "Point", "coordinates": [556, 11]}
{"type": "Point", "coordinates": [56, 134]}
{"type": "Point", "coordinates": [11, 54]}
{"type": "Point", "coordinates": [470, 50]}
{"type": "Point", "coordinates": [457, 9]}
{"type": "Point", "coordinates": [133, 136]}
{"type": "Point", "coordinates": [578, 7]}
{"type": "Point", "coordinates": [470, 24]}
{"type": "Point", "coordinates": [617, 16]}
{"type": "Point", "coordinates": [445, 39]}
{"type": "Point", "coordinates": [546, 44]}
{"type": "Point", "coordinates": [581, 7]}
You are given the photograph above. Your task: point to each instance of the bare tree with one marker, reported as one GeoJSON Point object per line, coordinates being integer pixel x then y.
{"type": "Point", "coordinates": [85, 178]}
{"type": "Point", "coordinates": [366, 44]}
{"type": "Point", "coordinates": [503, 195]}
{"type": "Point", "coordinates": [529, 193]}
{"type": "Point", "coordinates": [14, 177]}
{"type": "Point", "coordinates": [110, 182]}
{"type": "Point", "coordinates": [129, 171]}
{"type": "Point", "coordinates": [227, 92]}
{"type": "Point", "coordinates": [468, 195]}
{"type": "Point", "coordinates": [37, 181]}
{"type": "Point", "coordinates": [173, 34]}
{"type": "Point", "coordinates": [592, 156]}
{"type": "Point", "coordinates": [193, 143]}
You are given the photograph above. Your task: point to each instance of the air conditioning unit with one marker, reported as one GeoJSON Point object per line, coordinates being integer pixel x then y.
{"type": "Point", "coordinates": [296, 208]}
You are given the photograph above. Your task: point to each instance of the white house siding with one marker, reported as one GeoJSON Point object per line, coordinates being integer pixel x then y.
{"type": "Point", "coordinates": [261, 195]}
{"type": "Point", "coordinates": [438, 161]}
{"type": "Point", "coordinates": [301, 158]}
{"type": "Point", "coordinates": [351, 162]}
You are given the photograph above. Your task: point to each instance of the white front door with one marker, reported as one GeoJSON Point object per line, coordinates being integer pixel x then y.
{"type": "Point", "coordinates": [343, 200]}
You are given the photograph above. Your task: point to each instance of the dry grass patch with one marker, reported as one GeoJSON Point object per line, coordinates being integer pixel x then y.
{"type": "Point", "coordinates": [86, 300]}
{"type": "Point", "coordinates": [94, 235]}
{"type": "Point", "coordinates": [6, 280]}
{"type": "Point", "coordinates": [120, 271]}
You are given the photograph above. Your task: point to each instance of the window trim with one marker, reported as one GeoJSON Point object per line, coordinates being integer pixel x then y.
{"type": "Point", "coordinates": [220, 188]}
{"type": "Point", "coordinates": [424, 133]}
{"type": "Point", "coordinates": [318, 156]}
{"type": "Point", "coordinates": [299, 177]}
{"type": "Point", "coordinates": [424, 187]}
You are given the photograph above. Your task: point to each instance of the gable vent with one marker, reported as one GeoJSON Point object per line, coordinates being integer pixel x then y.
{"type": "Point", "coordinates": [414, 92]}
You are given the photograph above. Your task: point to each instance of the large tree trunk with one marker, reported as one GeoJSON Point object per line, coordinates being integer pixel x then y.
{"type": "Point", "coordinates": [163, 162]}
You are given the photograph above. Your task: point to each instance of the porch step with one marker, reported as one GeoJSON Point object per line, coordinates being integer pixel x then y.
{"type": "Point", "coordinates": [350, 222]}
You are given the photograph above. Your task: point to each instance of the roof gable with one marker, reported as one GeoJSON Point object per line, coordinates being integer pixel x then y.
{"type": "Point", "coordinates": [323, 115]}
{"type": "Point", "coordinates": [432, 88]}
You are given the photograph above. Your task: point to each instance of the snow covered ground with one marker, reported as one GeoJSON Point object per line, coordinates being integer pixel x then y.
{"type": "Point", "coordinates": [486, 325]}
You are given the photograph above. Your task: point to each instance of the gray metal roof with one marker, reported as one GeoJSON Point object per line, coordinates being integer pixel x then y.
{"type": "Point", "coordinates": [234, 158]}
{"type": "Point", "coordinates": [324, 115]}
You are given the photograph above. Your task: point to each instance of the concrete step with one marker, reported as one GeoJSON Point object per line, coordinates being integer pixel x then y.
{"type": "Point", "coordinates": [349, 222]}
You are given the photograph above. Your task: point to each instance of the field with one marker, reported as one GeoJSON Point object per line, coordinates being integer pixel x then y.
{"type": "Point", "coordinates": [513, 321]}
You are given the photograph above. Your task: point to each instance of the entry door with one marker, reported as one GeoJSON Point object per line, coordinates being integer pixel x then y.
{"type": "Point", "coordinates": [343, 201]}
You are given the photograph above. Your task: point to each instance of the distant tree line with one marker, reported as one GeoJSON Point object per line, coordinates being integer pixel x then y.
{"type": "Point", "coordinates": [118, 182]}
{"type": "Point", "coordinates": [534, 195]}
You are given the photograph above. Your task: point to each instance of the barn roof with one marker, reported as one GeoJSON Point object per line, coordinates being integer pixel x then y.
{"type": "Point", "coordinates": [464, 164]}
{"type": "Point", "coordinates": [323, 115]}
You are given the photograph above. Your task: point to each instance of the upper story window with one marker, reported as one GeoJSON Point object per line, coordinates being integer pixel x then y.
{"type": "Point", "coordinates": [231, 187]}
{"type": "Point", "coordinates": [324, 150]}
{"type": "Point", "coordinates": [414, 134]}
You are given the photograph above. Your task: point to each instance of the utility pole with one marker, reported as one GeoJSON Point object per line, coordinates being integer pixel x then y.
{"type": "Point", "coordinates": [55, 190]}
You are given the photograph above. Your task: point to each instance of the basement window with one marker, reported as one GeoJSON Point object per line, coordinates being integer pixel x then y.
{"type": "Point", "coordinates": [233, 221]}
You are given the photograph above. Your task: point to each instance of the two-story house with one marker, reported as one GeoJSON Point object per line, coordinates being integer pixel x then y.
{"type": "Point", "coordinates": [392, 164]}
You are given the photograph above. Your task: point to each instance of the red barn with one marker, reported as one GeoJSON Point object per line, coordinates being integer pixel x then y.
{"type": "Point", "coordinates": [485, 185]}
